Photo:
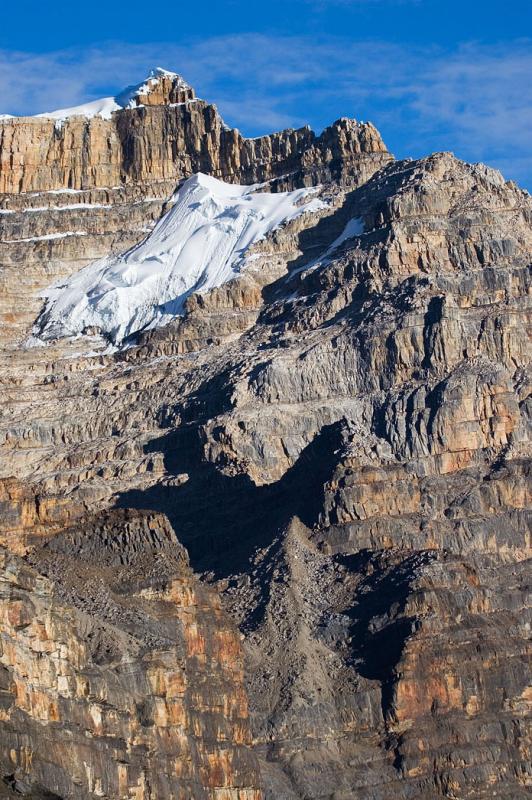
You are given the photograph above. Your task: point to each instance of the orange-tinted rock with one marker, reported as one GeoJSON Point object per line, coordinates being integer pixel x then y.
{"type": "Point", "coordinates": [107, 657]}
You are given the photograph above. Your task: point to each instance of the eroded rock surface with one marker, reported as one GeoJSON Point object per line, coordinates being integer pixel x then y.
{"type": "Point", "coordinates": [79, 189]}
{"type": "Point", "coordinates": [341, 440]}
{"type": "Point", "coordinates": [121, 675]}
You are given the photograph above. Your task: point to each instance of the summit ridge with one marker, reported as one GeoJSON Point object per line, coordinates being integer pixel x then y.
{"type": "Point", "coordinates": [159, 87]}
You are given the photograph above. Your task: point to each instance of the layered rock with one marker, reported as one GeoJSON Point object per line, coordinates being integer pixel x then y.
{"type": "Point", "coordinates": [341, 440]}
{"type": "Point", "coordinates": [82, 187]}
{"type": "Point", "coordinates": [121, 676]}
{"type": "Point", "coordinates": [161, 144]}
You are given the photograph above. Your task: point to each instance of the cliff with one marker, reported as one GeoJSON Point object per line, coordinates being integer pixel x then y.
{"type": "Point", "coordinates": [120, 674]}
{"type": "Point", "coordinates": [161, 144]}
{"type": "Point", "coordinates": [340, 438]}
{"type": "Point", "coordinates": [75, 188]}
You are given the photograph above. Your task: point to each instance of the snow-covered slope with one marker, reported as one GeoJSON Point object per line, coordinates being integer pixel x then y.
{"type": "Point", "coordinates": [106, 106]}
{"type": "Point", "coordinates": [199, 244]}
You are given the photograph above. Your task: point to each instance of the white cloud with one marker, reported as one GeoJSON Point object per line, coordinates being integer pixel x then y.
{"type": "Point", "coordinates": [475, 99]}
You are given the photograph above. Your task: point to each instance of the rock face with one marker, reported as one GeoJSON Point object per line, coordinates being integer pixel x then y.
{"type": "Point", "coordinates": [165, 143]}
{"type": "Point", "coordinates": [340, 438]}
{"type": "Point", "coordinates": [81, 188]}
{"type": "Point", "coordinates": [120, 674]}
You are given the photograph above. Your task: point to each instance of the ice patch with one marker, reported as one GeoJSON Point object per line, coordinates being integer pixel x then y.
{"type": "Point", "coordinates": [201, 243]}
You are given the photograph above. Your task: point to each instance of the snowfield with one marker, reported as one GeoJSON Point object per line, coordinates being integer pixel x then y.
{"type": "Point", "coordinates": [199, 244]}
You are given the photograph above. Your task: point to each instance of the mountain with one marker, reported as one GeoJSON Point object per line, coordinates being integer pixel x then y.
{"type": "Point", "coordinates": [83, 188]}
{"type": "Point", "coordinates": [160, 87]}
{"type": "Point", "coordinates": [265, 475]}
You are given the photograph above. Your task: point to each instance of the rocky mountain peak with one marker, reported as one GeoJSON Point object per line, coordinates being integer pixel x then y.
{"type": "Point", "coordinates": [160, 87]}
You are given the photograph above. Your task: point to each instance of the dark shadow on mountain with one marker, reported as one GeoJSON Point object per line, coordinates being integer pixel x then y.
{"type": "Point", "coordinates": [212, 398]}
{"type": "Point", "coordinates": [12, 787]}
{"type": "Point", "coordinates": [313, 242]}
{"type": "Point", "coordinates": [379, 628]}
{"type": "Point", "coordinates": [223, 520]}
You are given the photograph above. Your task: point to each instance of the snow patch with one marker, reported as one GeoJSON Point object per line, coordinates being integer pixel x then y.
{"type": "Point", "coordinates": [46, 238]}
{"type": "Point", "coordinates": [64, 191]}
{"type": "Point", "coordinates": [104, 108]}
{"type": "Point", "coordinates": [354, 227]}
{"type": "Point", "coordinates": [200, 243]}
{"type": "Point", "coordinates": [69, 207]}
{"type": "Point", "coordinates": [74, 207]}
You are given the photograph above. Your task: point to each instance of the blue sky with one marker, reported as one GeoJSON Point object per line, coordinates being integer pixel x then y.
{"type": "Point", "coordinates": [431, 74]}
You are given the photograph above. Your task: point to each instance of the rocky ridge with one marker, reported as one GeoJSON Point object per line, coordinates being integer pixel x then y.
{"type": "Point", "coordinates": [341, 440]}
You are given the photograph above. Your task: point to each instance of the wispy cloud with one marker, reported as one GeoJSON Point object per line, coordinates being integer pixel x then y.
{"type": "Point", "coordinates": [475, 99]}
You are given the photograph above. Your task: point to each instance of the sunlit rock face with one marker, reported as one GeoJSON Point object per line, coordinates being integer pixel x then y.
{"type": "Point", "coordinates": [338, 434]}
{"type": "Point", "coordinates": [121, 674]}
{"type": "Point", "coordinates": [79, 184]}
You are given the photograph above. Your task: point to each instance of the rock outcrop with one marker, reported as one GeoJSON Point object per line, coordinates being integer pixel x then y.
{"type": "Point", "coordinates": [120, 674]}
{"type": "Point", "coordinates": [161, 144]}
{"type": "Point", "coordinates": [340, 438]}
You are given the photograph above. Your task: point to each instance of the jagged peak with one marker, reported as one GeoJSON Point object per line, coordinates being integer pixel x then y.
{"type": "Point", "coordinates": [160, 83]}
{"type": "Point", "coordinates": [160, 72]}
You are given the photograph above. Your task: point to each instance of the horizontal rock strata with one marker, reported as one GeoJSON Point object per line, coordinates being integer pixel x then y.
{"type": "Point", "coordinates": [340, 439]}
{"type": "Point", "coordinates": [120, 675]}
{"type": "Point", "coordinates": [77, 190]}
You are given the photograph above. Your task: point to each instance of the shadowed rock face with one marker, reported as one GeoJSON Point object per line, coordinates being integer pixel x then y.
{"type": "Point", "coordinates": [341, 440]}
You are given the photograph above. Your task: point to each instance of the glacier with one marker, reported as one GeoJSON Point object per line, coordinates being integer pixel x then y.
{"type": "Point", "coordinates": [199, 244]}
